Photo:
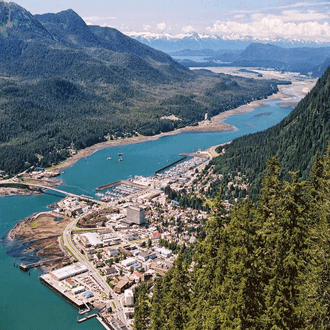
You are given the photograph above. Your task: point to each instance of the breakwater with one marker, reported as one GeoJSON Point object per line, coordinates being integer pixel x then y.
{"type": "Point", "coordinates": [170, 165]}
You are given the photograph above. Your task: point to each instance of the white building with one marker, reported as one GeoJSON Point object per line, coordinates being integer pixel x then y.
{"type": "Point", "coordinates": [112, 252]}
{"type": "Point", "coordinates": [78, 289]}
{"type": "Point", "coordinates": [93, 239]}
{"type": "Point", "coordinates": [127, 262]}
{"type": "Point", "coordinates": [68, 271]}
{"type": "Point", "coordinates": [129, 297]}
{"type": "Point", "coordinates": [165, 252]}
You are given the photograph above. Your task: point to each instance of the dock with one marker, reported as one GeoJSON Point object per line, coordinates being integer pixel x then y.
{"type": "Point", "coordinates": [63, 292]}
{"type": "Point", "coordinates": [26, 267]}
{"type": "Point", "coordinates": [170, 165]}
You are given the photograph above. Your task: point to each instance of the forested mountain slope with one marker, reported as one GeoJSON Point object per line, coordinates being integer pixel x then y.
{"type": "Point", "coordinates": [295, 140]}
{"type": "Point", "coordinates": [64, 83]}
{"type": "Point", "coordinates": [263, 265]}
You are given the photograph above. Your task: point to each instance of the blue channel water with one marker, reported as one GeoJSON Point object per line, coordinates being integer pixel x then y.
{"type": "Point", "coordinates": [25, 303]}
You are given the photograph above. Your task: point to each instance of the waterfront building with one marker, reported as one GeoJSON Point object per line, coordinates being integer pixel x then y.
{"type": "Point", "coordinates": [78, 289]}
{"type": "Point", "coordinates": [68, 271]}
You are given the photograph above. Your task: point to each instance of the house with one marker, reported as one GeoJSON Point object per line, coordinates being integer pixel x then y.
{"type": "Point", "coordinates": [113, 253]}
{"type": "Point", "coordinates": [164, 252]}
{"type": "Point", "coordinates": [110, 271]}
{"type": "Point", "coordinates": [155, 235]}
{"type": "Point", "coordinates": [144, 256]}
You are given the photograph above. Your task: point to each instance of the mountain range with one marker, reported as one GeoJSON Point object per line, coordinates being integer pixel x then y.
{"type": "Point", "coordinates": [167, 42]}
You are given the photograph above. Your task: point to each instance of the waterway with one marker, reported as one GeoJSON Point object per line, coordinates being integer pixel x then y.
{"type": "Point", "coordinates": [25, 303]}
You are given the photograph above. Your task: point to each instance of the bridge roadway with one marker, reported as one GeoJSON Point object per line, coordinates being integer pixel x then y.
{"type": "Point", "coordinates": [64, 192]}
{"type": "Point", "coordinates": [81, 258]}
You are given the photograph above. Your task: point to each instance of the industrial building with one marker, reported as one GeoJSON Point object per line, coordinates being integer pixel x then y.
{"type": "Point", "coordinates": [79, 289]}
{"type": "Point", "coordinates": [93, 239]}
{"type": "Point", "coordinates": [135, 214]}
{"type": "Point", "coordinates": [68, 271]}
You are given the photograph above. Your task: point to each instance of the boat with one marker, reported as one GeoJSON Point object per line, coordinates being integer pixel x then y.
{"type": "Point", "coordinates": [108, 158]}
{"type": "Point", "coordinates": [120, 153]}
{"type": "Point", "coordinates": [120, 159]}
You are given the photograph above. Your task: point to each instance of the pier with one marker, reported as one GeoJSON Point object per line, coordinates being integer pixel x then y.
{"type": "Point", "coordinates": [26, 267]}
{"type": "Point", "coordinates": [47, 280]}
{"type": "Point", "coordinates": [90, 316]}
{"type": "Point", "coordinates": [170, 165]}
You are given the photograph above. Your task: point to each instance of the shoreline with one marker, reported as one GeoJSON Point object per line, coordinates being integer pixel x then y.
{"type": "Point", "coordinates": [288, 95]}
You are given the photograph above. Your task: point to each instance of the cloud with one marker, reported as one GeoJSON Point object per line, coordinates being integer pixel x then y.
{"type": "Point", "coordinates": [294, 16]}
{"type": "Point", "coordinates": [239, 16]}
{"type": "Point", "coordinates": [188, 29]}
{"type": "Point", "coordinates": [98, 18]}
{"type": "Point", "coordinates": [146, 27]}
{"type": "Point", "coordinates": [161, 26]}
{"type": "Point", "coordinates": [271, 28]}
{"type": "Point", "coordinates": [277, 8]}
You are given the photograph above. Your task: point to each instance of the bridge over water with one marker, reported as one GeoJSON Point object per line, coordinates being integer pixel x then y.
{"type": "Point", "coordinates": [63, 192]}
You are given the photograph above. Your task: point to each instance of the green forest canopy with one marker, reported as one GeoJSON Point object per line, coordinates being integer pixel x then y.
{"type": "Point", "coordinates": [265, 266]}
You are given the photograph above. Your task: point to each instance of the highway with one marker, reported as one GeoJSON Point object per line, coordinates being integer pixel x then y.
{"type": "Point", "coordinates": [81, 258]}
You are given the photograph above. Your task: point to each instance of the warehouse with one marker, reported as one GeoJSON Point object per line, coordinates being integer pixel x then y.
{"type": "Point", "coordinates": [93, 239]}
{"type": "Point", "coordinates": [69, 271]}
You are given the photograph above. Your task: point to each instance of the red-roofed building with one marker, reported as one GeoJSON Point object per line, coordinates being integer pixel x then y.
{"type": "Point", "coordinates": [69, 283]}
{"type": "Point", "coordinates": [156, 235]}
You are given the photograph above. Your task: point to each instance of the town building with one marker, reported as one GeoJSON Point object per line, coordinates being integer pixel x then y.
{"type": "Point", "coordinates": [129, 297]}
{"type": "Point", "coordinates": [135, 214]}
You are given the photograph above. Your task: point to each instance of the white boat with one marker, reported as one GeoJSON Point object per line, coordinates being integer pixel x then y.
{"type": "Point", "coordinates": [108, 158]}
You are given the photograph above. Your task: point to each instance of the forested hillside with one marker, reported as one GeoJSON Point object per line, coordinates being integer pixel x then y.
{"type": "Point", "coordinates": [63, 83]}
{"type": "Point", "coordinates": [265, 265]}
{"type": "Point", "coordinates": [295, 140]}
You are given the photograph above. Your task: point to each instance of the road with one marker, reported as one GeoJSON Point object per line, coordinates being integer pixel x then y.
{"type": "Point", "coordinates": [212, 150]}
{"type": "Point", "coordinates": [99, 279]}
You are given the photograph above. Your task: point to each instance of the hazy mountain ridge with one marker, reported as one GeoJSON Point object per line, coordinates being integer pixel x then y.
{"type": "Point", "coordinates": [305, 60]}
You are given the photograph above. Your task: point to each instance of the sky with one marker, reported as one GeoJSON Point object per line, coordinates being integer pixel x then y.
{"type": "Point", "coordinates": [230, 19]}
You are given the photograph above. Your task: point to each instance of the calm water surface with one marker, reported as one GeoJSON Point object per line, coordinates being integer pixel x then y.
{"type": "Point", "coordinates": [25, 303]}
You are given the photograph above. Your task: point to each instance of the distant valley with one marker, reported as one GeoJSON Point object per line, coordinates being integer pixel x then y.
{"type": "Point", "coordinates": [305, 60]}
